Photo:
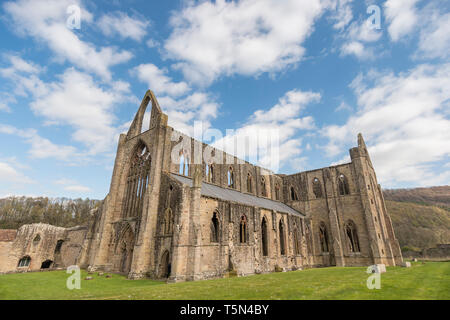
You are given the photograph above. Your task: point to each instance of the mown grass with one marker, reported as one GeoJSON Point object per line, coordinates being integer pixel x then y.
{"type": "Point", "coordinates": [430, 280]}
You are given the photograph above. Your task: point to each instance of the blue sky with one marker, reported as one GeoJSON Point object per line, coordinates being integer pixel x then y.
{"type": "Point", "coordinates": [317, 71]}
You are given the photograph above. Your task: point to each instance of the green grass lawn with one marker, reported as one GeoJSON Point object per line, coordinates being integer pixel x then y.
{"type": "Point", "coordinates": [430, 280]}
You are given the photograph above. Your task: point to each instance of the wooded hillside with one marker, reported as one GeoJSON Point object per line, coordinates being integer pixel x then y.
{"type": "Point", "coordinates": [420, 216]}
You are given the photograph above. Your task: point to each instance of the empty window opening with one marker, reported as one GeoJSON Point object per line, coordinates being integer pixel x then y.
{"type": "Point", "coordinates": [249, 183]}
{"type": "Point", "coordinates": [243, 230]}
{"type": "Point", "coordinates": [343, 185]}
{"type": "Point", "coordinates": [58, 246]}
{"type": "Point", "coordinates": [352, 237]}
{"type": "Point", "coordinates": [293, 194]}
{"type": "Point", "coordinates": [230, 178]}
{"type": "Point", "coordinates": [264, 238]}
{"type": "Point", "coordinates": [137, 182]}
{"type": "Point", "coordinates": [36, 239]}
{"type": "Point", "coordinates": [323, 235]}
{"type": "Point", "coordinates": [214, 228]}
{"type": "Point", "coordinates": [184, 164]}
{"type": "Point", "coordinates": [263, 187]}
{"type": "Point", "coordinates": [317, 188]}
{"type": "Point", "coordinates": [282, 240]}
{"type": "Point", "coordinates": [24, 262]}
{"type": "Point", "coordinates": [296, 242]}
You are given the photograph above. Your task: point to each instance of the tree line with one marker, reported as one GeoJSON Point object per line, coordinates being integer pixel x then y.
{"type": "Point", "coordinates": [61, 212]}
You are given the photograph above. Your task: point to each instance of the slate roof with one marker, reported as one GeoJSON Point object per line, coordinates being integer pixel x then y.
{"type": "Point", "coordinates": [214, 191]}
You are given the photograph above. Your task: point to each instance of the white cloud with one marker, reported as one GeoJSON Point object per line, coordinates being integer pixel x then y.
{"type": "Point", "coordinates": [357, 39]}
{"type": "Point", "coordinates": [8, 175]}
{"type": "Point", "coordinates": [125, 26]}
{"type": "Point", "coordinates": [45, 20]}
{"type": "Point", "coordinates": [41, 148]}
{"type": "Point", "coordinates": [343, 14]}
{"type": "Point", "coordinates": [182, 112]}
{"type": "Point", "coordinates": [405, 121]}
{"type": "Point", "coordinates": [158, 81]}
{"type": "Point", "coordinates": [281, 122]}
{"type": "Point", "coordinates": [435, 36]}
{"type": "Point", "coordinates": [78, 189]}
{"type": "Point", "coordinates": [250, 37]}
{"type": "Point", "coordinates": [402, 17]}
{"type": "Point", "coordinates": [357, 49]}
{"type": "Point", "coordinates": [75, 99]}
{"type": "Point", "coordinates": [72, 185]}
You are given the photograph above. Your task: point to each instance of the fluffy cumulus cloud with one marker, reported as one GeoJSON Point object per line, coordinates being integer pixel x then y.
{"type": "Point", "coordinates": [210, 39]}
{"type": "Point", "coordinates": [358, 38]}
{"type": "Point", "coordinates": [158, 81]}
{"type": "Point", "coordinates": [435, 36]}
{"type": "Point", "coordinates": [405, 121]}
{"type": "Point", "coordinates": [41, 148]}
{"type": "Point", "coordinates": [119, 23]}
{"type": "Point", "coordinates": [74, 99]}
{"type": "Point", "coordinates": [45, 21]}
{"type": "Point", "coordinates": [402, 17]}
{"type": "Point", "coordinates": [11, 175]}
{"type": "Point", "coordinates": [270, 137]}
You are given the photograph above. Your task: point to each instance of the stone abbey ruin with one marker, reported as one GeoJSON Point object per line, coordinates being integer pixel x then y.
{"type": "Point", "coordinates": [200, 221]}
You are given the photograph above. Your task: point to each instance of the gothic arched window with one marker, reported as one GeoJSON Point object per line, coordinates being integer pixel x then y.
{"type": "Point", "coordinates": [264, 238]}
{"type": "Point", "coordinates": [277, 192]}
{"type": "Point", "coordinates": [24, 262]}
{"type": "Point", "coordinates": [249, 183]}
{"type": "Point", "coordinates": [296, 242]}
{"type": "Point", "coordinates": [317, 188]}
{"type": "Point", "coordinates": [343, 185]}
{"type": "Point", "coordinates": [263, 187]}
{"type": "Point", "coordinates": [243, 230]}
{"type": "Point", "coordinates": [352, 236]}
{"type": "Point", "coordinates": [167, 221]}
{"type": "Point", "coordinates": [230, 177]}
{"type": "Point", "coordinates": [184, 164]}
{"type": "Point", "coordinates": [137, 181]}
{"type": "Point", "coordinates": [210, 173]}
{"type": "Point", "coordinates": [323, 235]}
{"type": "Point", "coordinates": [293, 194]}
{"type": "Point", "coordinates": [36, 239]}
{"type": "Point", "coordinates": [215, 228]}
{"type": "Point", "coordinates": [282, 240]}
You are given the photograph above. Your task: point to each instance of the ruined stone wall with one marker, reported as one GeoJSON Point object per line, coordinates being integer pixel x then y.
{"type": "Point", "coordinates": [222, 162]}
{"type": "Point", "coordinates": [39, 242]}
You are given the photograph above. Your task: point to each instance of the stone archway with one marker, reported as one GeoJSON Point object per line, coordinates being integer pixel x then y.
{"type": "Point", "coordinates": [124, 250]}
{"type": "Point", "coordinates": [46, 264]}
{"type": "Point", "coordinates": [164, 266]}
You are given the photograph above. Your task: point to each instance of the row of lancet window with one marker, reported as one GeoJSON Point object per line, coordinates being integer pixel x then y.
{"type": "Point", "coordinates": [343, 188]}
{"type": "Point", "coordinates": [351, 234]}
{"type": "Point", "coordinates": [137, 181]}
{"type": "Point", "coordinates": [281, 238]}
{"type": "Point", "coordinates": [243, 234]}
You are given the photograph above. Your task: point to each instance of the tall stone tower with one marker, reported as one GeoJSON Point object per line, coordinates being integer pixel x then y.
{"type": "Point", "coordinates": [384, 246]}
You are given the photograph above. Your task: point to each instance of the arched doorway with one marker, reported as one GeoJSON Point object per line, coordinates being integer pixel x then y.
{"type": "Point", "coordinates": [125, 250]}
{"type": "Point", "coordinates": [46, 264]}
{"type": "Point", "coordinates": [164, 266]}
